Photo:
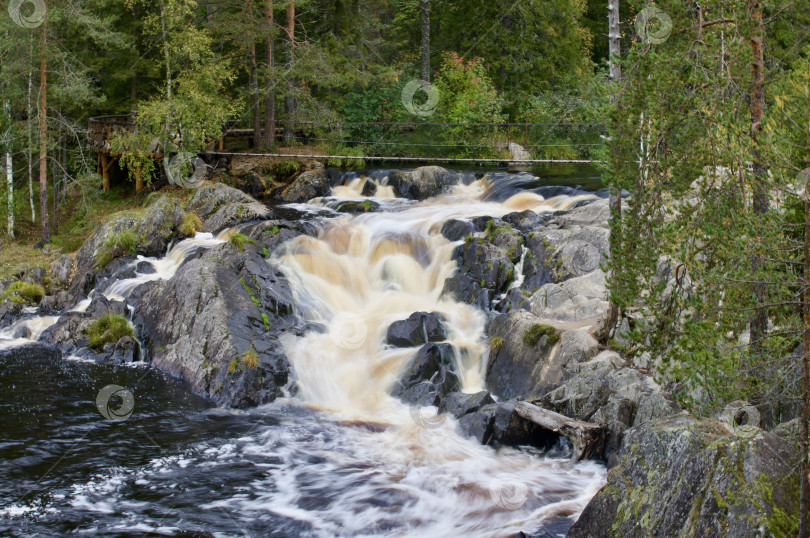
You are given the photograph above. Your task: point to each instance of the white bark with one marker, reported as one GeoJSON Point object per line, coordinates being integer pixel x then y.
{"type": "Point", "coordinates": [31, 138]}
{"type": "Point", "coordinates": [10, 182]}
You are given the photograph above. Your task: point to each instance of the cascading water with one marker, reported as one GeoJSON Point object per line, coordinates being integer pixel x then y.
{"type": "Point", "coordinates": [357, 277]}
{"type": "Point", "coordinates": [352, 461]}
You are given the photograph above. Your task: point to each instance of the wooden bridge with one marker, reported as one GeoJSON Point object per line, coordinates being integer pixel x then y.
{"type": "Point", "coordinates": [459, 143]}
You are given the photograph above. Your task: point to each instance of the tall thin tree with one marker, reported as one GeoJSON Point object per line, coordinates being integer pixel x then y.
{"type": "Point", "coordinates": [43, 134]}
{"type": "Point", "coordinates": [270, 96]}
{"type": "Point", "coordinates": [289, 99]}
{"type": "Point", "coordinates": [426, 40]}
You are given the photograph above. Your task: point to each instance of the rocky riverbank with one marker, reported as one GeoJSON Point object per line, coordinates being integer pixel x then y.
{"type": "Point", "coordinates": [219, 320]}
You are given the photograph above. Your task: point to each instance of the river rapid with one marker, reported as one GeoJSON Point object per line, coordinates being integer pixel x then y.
{"type": "Point", "coordinates": [339, 456]}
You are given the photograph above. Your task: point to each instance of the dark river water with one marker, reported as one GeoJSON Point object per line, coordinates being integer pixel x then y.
{"type": "Point", "coordinates": [177, 466]}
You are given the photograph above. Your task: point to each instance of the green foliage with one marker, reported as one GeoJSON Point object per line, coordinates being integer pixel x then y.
{"type": "Point", "coordinates": [238, 240]}
{"type": "Point", "coordinates": [467, 94]}
{"type": "Point", "coordinates": [496, 344]}
{"type": "Point", "coordinates": [23, 293]}
{"type": "Point", "coordinates": [533, 334]}
{"type": "Point", "coordinates": [116, 245]}
{"type": "Point", "coordinates": [108, 328]}
{"type": "Point", "coordinates": [191, 224]}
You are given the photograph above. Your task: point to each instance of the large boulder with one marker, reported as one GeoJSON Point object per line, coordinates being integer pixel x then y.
{"type": "Point", "coordinates": [687, 477]}
{"type": "Point", "coordinates": [525, 358]}
{"type": "Point", "coordinates": [418, 329]}
{"type": "Point", "coordinates": [216, 324]}
{"type": "Point", "coordinates": [308, 185]}
{"type": "Point", "coordinates": [580, 299]}
{"type": "Point", "coordinates": [485, 270]}
{"type": "Point", "coordinates": [220, 206]}
{"type": "Point", "coordinates": [422, 183]}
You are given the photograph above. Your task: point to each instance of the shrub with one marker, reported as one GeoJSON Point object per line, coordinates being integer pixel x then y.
{"type": "Point", "coordinates": [108, 328]}
{"type": "Point", "coordinates": [536, 331]}
{"type": "Point", "coordinates": [116, 245]}
{"type": "Point", "coordinates": [191, 224]}
{"type": "Point", "coordinates": [232, 366]}
{"type": "Point", "coordinates": [496, 344]}
{"type": "Point", "coordinates": [23, 293]}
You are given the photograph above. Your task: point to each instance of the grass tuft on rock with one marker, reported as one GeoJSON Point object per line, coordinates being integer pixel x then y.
{"type": "Point", "coordinates": [23, 293]}
{"type": "Point", "coordinates": [538, 330]}
{"type": "Point", "coordinates": [238, 240]}
{"type": "Point", "coordinates": [116, 245]}
{"type": "Point", "coordinates": [191, 224]}
{"type": "Point", "coordinates": [250, 359]}
{"type": "Point", "coordinates": [108, 328]}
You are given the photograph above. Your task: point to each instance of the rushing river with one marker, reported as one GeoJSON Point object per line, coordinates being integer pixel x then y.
{"type": "Point", "coordinates": [340, 457]}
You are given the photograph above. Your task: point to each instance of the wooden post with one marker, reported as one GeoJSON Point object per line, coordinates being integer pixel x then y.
{"type": "Point", "coordinates": [107, 162]}
{"type": "Point", "coordinates": [138, 179]}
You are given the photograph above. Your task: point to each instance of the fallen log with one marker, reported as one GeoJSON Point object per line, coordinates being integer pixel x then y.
{"type": "Point", "coordinates": [588, 438]}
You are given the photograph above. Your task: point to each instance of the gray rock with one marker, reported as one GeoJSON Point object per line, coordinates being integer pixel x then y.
{"type": "Point", "coordinates": [459, 404]}
{"type": "Point", "coordinates": [418, 329]}
{"type": "Point", "coordinates": [685, 477]}
{"type": "Point", "coordinates": [596, 213]}
{"type": "Point", "coordinates": [422, 183]}
{"type": "Point", "coordinates": [498, 424]}
{"type": "Point", "coordinates": [61, 270]}
{"type": "Point", "coordinates": [430, 376]}
{"type": "Point", "coordinates": [203, 326]}
{"type": "Point", "coordinates": [519, 368]}
{"type": "Point", "coordinates": [308, 185]}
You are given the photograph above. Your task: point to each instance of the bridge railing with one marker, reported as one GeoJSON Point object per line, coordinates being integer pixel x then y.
{"type": "Point", "coordinates": [415, 140]}
{"type": "Point", "coordinates": [470, 140]}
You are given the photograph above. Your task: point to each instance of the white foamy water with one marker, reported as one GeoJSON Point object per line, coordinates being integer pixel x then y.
{"type": "Point", "coordinates": [164, 268]}
{"type": "Point", "coordinates": [362, 273]}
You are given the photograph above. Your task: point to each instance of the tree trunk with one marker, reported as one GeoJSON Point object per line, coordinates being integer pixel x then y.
{"type": "Point", "coordinates": [614, 40]}
{"type": "Point", "coordinates": [588, 438]}
{"type": "Point", "coordinates": [29, 128]}
{"type": "Point", "coordinates": [804, 498]}
{"type": "Point", "coordinates": [9, 179]}
{"type": "Point", "coordinates": [270, 96]}
{"type": "Point", "coordinates": [43, 136]}
{"type": "Point", "coordinates": [289, 99]}
{"type": "Point", "coordinates": [759, 322]}
{"type": "Point", "coordinates": [426, 40]}
{"type": "Point", "coordinates": [256, 114]}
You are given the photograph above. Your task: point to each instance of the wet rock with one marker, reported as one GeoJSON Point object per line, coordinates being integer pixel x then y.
{"type": "Point", "coordinates": [455, 229]}
{"type": "Point", "coordinates": [459, 404]}
{"type": "Point", "coordinates": [499, 424]}
{"type": "Point", "coordinates": [308, 185]}
{"type": "Point", "coordinates": [527, 220]}
{"type": "Point", "coordinates": [100, 306]}
{"type": "Point", "coordinates": [430, 376]}
{"type": "Point", "coordinates": [686, 477]}
{"type": "Point", "coordinates": [422, 183]}
{"type": "Point", "coordinates": [523, 361]}
{"type": "Point", "coordinates": [356, 206]}
{"type": "Point", "coordinates": [29, 352]}
{"type": "Point", "coordinates": [145, 268]}
{"type": "Point", "coordinates": [369, 188]}
{"type": "Point", "coordinates": [418, 329]}
{"type": "Point", "coordinates": [484, 271]}
{"type": "Point", "coordinates": [68, 334]}
{"type": "Point", "coordinates": [216, 324]}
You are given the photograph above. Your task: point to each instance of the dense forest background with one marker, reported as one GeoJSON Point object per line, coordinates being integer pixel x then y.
{"type": "Point", "coordinates": [707, 111]}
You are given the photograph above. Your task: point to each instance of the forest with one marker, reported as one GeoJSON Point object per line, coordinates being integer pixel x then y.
{"type": "Point", "coordinates": [695, 115]}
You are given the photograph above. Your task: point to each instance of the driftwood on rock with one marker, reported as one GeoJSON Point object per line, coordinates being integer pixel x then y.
{"type": "Point", "coordinates": [587, 437]}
